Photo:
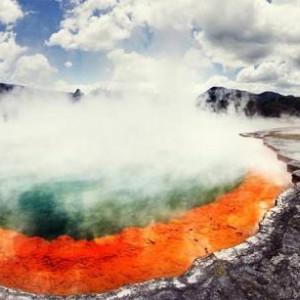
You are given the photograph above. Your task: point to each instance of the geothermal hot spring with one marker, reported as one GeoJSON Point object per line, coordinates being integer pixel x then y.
{"type": "Point", "coordinates": [110, 191]}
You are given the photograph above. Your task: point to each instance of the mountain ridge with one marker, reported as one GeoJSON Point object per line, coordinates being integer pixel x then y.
{"type": "Point", "coordinates": [8, 87]}
{"type": "Point", "coordinates": [267, 104]}
{"type": "Point", "coordinates": [218, 99]}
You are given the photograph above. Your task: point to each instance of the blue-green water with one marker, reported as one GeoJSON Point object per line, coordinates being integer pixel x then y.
{"type": "Point", "coordinates": [87, 209]}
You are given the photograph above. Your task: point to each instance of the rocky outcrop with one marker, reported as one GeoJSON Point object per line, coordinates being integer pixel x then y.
{"type": "Point", "coordinates": [265, 266]}
{"type": "Point", "coordinates": [77, 95]}
{"type": "Point", "coordinates": [296, 177]}
{"type": "Point", "coordinates": [267, 104]}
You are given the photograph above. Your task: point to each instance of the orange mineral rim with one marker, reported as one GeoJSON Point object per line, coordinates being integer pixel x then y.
{"type": "Point", "coordinates": [65, 266]}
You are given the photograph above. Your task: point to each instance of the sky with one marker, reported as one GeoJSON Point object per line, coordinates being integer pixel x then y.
{"type": "Point", "coordinates": [141, 44]}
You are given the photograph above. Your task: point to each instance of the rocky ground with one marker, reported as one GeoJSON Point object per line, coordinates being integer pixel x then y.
{"type": "Point", "coordinates": [265, 266]}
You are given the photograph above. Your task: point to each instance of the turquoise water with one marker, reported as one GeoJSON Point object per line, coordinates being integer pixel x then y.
{"type": "Point", "coordinates": [88, 209]}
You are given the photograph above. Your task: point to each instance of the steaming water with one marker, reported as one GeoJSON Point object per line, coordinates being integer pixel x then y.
{"type": "Point", "coordinates": [52, 209]}
{"type": "Point", "coordinates": [93, 168]}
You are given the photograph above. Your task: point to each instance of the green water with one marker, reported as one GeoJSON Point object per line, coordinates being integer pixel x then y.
{"type": "Point", "coordinates": [86, 209]}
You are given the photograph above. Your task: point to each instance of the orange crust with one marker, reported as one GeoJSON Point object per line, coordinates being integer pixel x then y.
{"type": "Point", "coordinates": [65, 266]}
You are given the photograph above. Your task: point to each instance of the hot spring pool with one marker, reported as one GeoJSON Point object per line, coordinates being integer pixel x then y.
{"type": "Point", "coordinates": [66, 266]}
{"type": "Point", "coordinates": [101, 193]}
{"type": "Point", "coordinates": [89, 209]}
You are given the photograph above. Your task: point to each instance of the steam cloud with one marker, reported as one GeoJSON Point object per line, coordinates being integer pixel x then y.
{"type": "Point", "coordinates": [118, 160]}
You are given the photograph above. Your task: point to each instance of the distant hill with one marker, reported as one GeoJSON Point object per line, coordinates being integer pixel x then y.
{"type": "Point", "coordinates": [267, 104]}
{"type": "Point", "coordinates": [6, 88]}
{"type": "Point", "coordinates": [216, 99]}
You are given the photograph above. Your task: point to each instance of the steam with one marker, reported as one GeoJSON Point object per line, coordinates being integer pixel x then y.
{"type": "Point", "coordinates": [111, 161]}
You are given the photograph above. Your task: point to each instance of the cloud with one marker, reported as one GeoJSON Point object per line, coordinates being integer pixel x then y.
{"type": "Point", "coordinates": [254, 87]}
{"type": "Point", "coordinates": [279, 74]}
{"type": "Point", "coordinates": [10, 11]}
{"type": "Point", "coordinates": [167, 77]}
{"type": "Point", "coordinates": [33, 70]}
{"type": "Point", "coordinates": [10, 51]}
{"type": "Point", "coordinates": [97, 25]}
{"type": "Point", "coordinates": [68, 64]}
{"type": "Point", "coordinates": [237, 35]}
{"type": "Point", "coordinates": [250, 32]}
{"type": "Point", "coordinates": [270, 76]}
{"type": "Point", "coordinates": [93, 25]}
{"type": "Point", "coordinates": [265, 72]}
{"type": "Point", "coordinates": [17, 66]}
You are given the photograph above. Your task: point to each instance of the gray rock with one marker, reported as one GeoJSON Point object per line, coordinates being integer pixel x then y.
{"type": "Point", "coordinates": [296, 177]}
{"type": "Point", "coordinates": [293, 166]}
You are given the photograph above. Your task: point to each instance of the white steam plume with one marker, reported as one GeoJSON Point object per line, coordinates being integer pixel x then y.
{"type": "Point", "coordinates": [139, 144]}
